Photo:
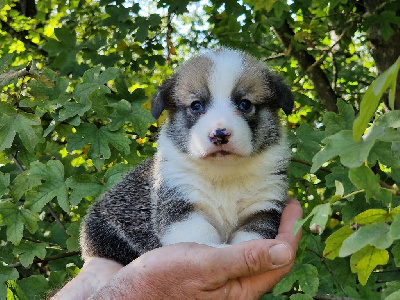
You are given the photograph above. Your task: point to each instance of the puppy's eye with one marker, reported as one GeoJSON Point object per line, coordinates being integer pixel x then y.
{"type": "Point", "coordinates": [245, 105]}
{"type": "Point", "coordinates": [197, 107]}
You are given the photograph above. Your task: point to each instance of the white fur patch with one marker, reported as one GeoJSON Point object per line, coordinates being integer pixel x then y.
{"type": "Point", "coordinates": [227, 68]}
{"type": "Point", "coordinates": [220, 115]}
{"type": "Point", "coordinates": [194, 229]}
{"type": "Point", "coordinates": [224, 192]}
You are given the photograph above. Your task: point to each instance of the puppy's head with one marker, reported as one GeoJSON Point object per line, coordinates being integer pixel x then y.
{"type": "Point", "coordinates": [223, 103]}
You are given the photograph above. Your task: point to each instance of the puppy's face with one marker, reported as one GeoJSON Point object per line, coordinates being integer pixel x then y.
{"type": "Point", "coordinates": [223, 104]}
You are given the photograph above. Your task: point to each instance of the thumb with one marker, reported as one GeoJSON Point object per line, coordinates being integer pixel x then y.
{"type": "Point", "coordinates": [252, 258]}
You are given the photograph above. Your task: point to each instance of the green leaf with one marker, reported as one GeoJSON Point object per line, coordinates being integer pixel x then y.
{"type": "Point", "coordinates": [321, 214]}
{"type": "Point", "coordinates": [335, 240]}
{"type": "Point", "coordinates": [372, 216]}
{"type": "Point", "coordinates": [143, 25]}
{"type": "Point", "coordinates": [73, 240]}
{"type": "Point", "coordinates": [4, 183]}
{"type": "Point", "coordinates": [396, 254]}
{"type": "Point", "coordinates": [34, 287]}
{"type": "Point", "coordinates": [340, 174]}
{"type": "Point", "coordinates": [26, 125]}
{"type": "Point", "coordinates": [6, 61]}
{"type": "Point", "coordinates": [94, 79]}
{"type": "Point", "coordinates": [301, 297]}
{"type": "Point", "coordinates": [48, 98]}
{"type": "Point", "coordinates": [390, 288]}
{"type": "Point", "coordinates": [27, 251]}
{"type": "Point", "coordinates": [363, 178]}
{"type": "Point", "coordinates": [365, 260]}
{"type": "Point", "coordinates": [53, 175]}
{"type": "Point", "coordinates": [16, 218]}
{"type": "Point", "coordinates": [375, 234]}
{"type": "Point", "coordinates": [352, 153]}
{"type": "Point", "coordinates": [393, 296]}
{"type": "Point", "coordinates": [372, 97]}
{"type": "Point", "coordinates": [57, 279]}
{"type": "Point", "coordinates": [6, 274]}
{"type": "Point", "coordinates": [395, 228]}
{"type": "Point", "coordinates": [307, 141]}
{"type": "Point", "coordinates": [130, 109]}
{"type": "Point", "coordinates": [115, 174]}
{"type": "Point", "coordinates": [23, 183]}
{"type": "Point", "coordinates": [383, 128]}
{"type": "Point", "coordinates": [339, 188]}
{"type": "Point", "coordinates": [73, 109]}
{"type": "Point", "coordinates": [99, 140]}
{"type": "Point", "coordinates": [343, 120]}
{"type": "Point", "coordinates": [382, 152]}
{"type": "Point", "coordinates": [134, 113]}
{"type": "Point", "coordinates": [84, 185]}
{"type": "Point", "coordinates": [306, 275]}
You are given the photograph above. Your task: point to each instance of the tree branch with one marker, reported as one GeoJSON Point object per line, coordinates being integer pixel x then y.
{"type": "Point", "coordinates": [322, 259]}
{"type": "Point", "coordinates": [53, 213]}
{"type": "Point", "coordinates": [385, 52]}
{"type": "Point", "coordinates": [308, 63]}
{"type": "Point", "coordinates": [47, 259]}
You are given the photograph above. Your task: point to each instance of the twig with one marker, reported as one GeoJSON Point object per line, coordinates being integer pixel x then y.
{"type": "Point", "coordinates": [47, 259]}
{"type": "Point", "coordinates": [294, 159]}
{"type": "Point", "coordinates": [327, 51]}
{"type": "Point", "coordinates": [275, 56]}
{"type": "Point", "coordinates": [389, 187]}
{"type": "Point", "coordinates": [53, 213]}
{"type": "Point", "coordinates": [329, 270]}
{"type": "Point", "coordinates": [17, 163]}
{"type": "Point", "coordinates": [39, 242]}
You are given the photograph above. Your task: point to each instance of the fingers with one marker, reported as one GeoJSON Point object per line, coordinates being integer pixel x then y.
{"type": "Point", "coordinates": [248, 258]}
{"type": "Point", "coordinates": [259, 256]}
{"type": "Point", "coordinates": [290, 215]}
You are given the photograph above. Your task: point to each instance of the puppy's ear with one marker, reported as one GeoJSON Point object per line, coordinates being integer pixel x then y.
{"type": "Point", "coordinates": [283, 94]}
{"type": "Point", "coordinates": [162, 99]}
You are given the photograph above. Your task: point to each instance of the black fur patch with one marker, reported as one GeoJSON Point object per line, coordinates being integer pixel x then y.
{"type": "Point", "coordinates": [171, 208]}
{"type": "Point", "coordinates": [283, 96]}
{"type": "Point", "coordinates": [119, 224]}
{"type": "Point", "coordinates": [265, 223]}
{"type": "Point", "coordinates": [163, 98]}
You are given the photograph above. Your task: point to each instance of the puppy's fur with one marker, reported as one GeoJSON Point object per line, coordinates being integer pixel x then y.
{"type": "Point", "coordinates": [219, 175]}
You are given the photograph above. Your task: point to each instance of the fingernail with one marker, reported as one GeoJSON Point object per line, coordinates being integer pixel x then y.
{"type": "Point", "coordinates": [279, 254]}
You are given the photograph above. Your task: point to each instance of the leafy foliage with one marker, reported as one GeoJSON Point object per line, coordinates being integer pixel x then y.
{"type": "Point", "coordinates": [76, 78]}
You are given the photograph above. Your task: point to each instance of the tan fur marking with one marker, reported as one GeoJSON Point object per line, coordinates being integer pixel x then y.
{"type": "Point", "coordinates": [252, 82]}
{"type": "Point", "coordinates": [192, 80]}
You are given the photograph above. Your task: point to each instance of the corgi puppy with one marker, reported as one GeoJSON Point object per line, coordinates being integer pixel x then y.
{"type": "Point", "coordinates": [219, 174]}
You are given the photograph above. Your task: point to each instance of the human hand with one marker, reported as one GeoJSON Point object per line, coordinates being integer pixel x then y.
{"type": "Point", "coordinates": [95, 273]}
{"type": "Point", "coordinates": [192, 271]}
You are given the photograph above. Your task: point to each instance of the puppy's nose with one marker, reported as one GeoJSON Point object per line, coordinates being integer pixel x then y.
{"type": "Point", "coordinates": [220, 136]}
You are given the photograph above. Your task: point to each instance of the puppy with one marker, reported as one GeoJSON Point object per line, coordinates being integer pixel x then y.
{"type": "Point", "coordinates": [219, 175]}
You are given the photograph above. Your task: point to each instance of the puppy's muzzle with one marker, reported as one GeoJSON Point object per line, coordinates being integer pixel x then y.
{"type": "Point", "coordinates": [220, 136]}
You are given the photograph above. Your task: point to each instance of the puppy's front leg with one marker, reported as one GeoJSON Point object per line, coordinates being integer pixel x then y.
{"type": "Point", "coordinates": [195, 228]}
{"type": "Point", "coordinates": [263, 224]}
